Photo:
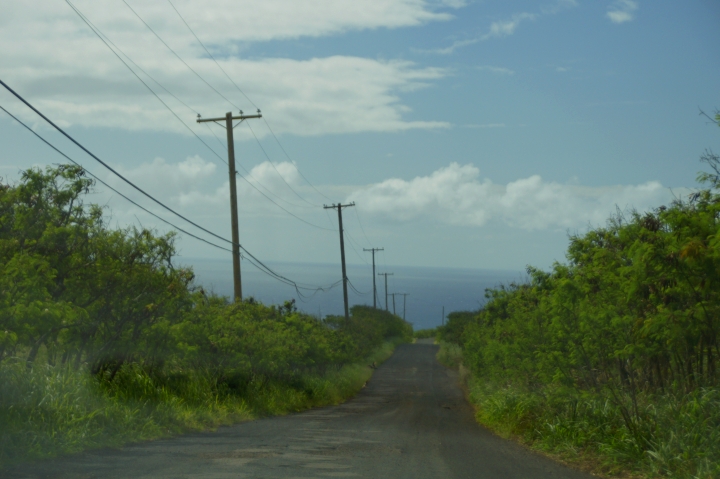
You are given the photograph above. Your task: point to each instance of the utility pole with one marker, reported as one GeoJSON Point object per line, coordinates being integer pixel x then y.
{"type": "Point", "coordinates": [386, 293]}
{"type": "Point", "coordinates": [374, 288]}
{"type": "Point", "coordinates": [339, 207]}
{"type": "Point", "coordinates": [443, 316]}
{"type": "Point", "coordinates": [404, 295]}
{"type": "Point", "coordinates": [393, 295]}
{"type": "Point", "coordinates": [237, 282]}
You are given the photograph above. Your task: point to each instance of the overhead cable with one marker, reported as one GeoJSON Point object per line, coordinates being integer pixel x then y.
{"type": "Point", "coordinates": [242, 93]}
{"type": "Point", "coordinates": [179, 57]}
{"type": "Point", "coordinates": [312, 205]}
{"type": "Point", "coordinates": [93, 156]}
{"type": "Point", "coordinates": [211, 55]}
{"type": "Point", "coordinates": [290, 159]}
{"type": "Point", "coordinates": [100, 36]}
{"type": "Point", "coordinates": [107, 185]}
{"type": "Point", "coordinates": [252, 259]}
{"type": "Point", "coordinates": [361, 227]}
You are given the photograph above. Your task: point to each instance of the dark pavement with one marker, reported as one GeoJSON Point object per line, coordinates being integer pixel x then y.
{"type": "Point", "coordinates": [411, 421]}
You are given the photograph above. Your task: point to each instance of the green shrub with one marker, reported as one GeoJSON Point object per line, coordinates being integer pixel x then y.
{"type": "Point", "coordinates": [425, 333]}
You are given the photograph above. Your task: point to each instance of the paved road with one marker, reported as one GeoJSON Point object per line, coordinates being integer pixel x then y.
{"type": "Point", "coordinates": [411, 421]}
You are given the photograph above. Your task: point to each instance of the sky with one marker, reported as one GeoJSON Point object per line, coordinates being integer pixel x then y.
{"type": "Point", "coordinates": [469, 134]}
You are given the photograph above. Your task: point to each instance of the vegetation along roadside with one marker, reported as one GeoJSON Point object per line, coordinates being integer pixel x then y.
{"type": "Point", "coordinates": [613, 358]}
{"type": "Point", "coordinates": [103, 340]}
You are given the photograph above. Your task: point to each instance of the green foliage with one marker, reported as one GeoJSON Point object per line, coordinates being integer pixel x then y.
{"type": "Point", "coordinates": [616, 352]}
{"type": "Point", "coordinates": [451, 331]}
{"type": "Point", "coordinates": [425, 333]}
{"type": "Point", "coordinates": [450, 355]}
{"type": "Point", "coordinates": [103, 340]}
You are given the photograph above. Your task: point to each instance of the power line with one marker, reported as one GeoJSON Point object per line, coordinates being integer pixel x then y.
{"type": "Point", "coordinates": [211, 55]}
{"type": "Point", "coordinates": [252, 259]}
{"type": "Point", "coordinates": [356, 290]}
{"type": "Point", "coordinates": [361, 226]}
{"type": "Point", "coordinates": [100, 36]}
{"type": "Point", "coordinates": [284, 209]}
{"type": "Point", "coordinates": [108, 186]}
{"type": "Point", "coordinates": [179, 57]}
{"type": "Point", "coordinates": [39, 113]}
{"type": "Point", "coordinates": [290, 159]}
{"type": "Point", "coordinates": [243, 94]}
{"type": "Point", "coordinates": [312, 205]}
{"type": "Point", "coordinates": [352, 241]}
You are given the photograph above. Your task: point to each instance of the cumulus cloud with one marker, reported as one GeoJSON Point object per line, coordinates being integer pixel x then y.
{"type": "Point", "coordinates": [51, 56]}
{"type": "Point", "coordinates": [456, 195]}
{"type": "Point", "coordinates": [199, 186]}
{"type": "Point", "coordinates": [622, 11]}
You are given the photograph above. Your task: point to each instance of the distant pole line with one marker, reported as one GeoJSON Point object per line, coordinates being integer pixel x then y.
{"type": "Point", "coordinates": [339, 208]}
{"type": "Point", "coordinates": [404, 295]}
{"type": "Point", "coordinates": [373, 250]}
{"type": "Point", "coordinates": [386, 291]}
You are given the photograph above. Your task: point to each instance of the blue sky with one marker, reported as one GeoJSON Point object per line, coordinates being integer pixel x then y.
{"type": "Point", "coordinates": [470, 133]}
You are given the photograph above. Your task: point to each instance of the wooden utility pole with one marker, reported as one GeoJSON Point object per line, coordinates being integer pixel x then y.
{"type": "Point", "coordinates": [374, 288]}
{"type": "Point", "coordinates": [386, 293]}
{"type": "Point", "coordinates": [393, 295]}
{"type": "Point", "coordinates": [339, 207]}
{"type": "Point", "coordinates": [237, 282]}
{"type": "Point", "coordinates": [404, 295]}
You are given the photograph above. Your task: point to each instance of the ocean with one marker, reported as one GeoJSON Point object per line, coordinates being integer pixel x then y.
{"type": "Point", "coordinates": [429, 290]}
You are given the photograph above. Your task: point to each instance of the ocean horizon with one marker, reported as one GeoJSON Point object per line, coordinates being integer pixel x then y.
{"type": "Point", "coordinates": [430, 290]}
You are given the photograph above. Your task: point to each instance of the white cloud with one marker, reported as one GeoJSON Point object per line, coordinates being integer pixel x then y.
{"type": "Point", "coordinates": [486, 125]}
{"type": "Point", "coordinates": [498, 70]}
{"type": "Point", "coordinates": [504, 28]}
{"type": "Point", "coordinates": [507, 27]}
{"type": "Point", "coordinates": [199, 186]}
{"type": "Point", "coordinates": [54, 59]}
{"type": "Point", "coordinates": [455, 45]}
{"type": "Point", "coordinates": [456, 195]}
{"type": "Point", "coordinates": [622, 11]}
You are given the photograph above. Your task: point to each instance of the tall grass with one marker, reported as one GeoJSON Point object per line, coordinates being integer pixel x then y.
{"type": "Point", "coordinates": [677, 435]}
{"type": "Point", "coordinates": [50, 410]}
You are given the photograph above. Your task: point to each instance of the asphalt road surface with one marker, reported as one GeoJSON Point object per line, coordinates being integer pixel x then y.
{"type": "Point", "coordinates": [410, 421]}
